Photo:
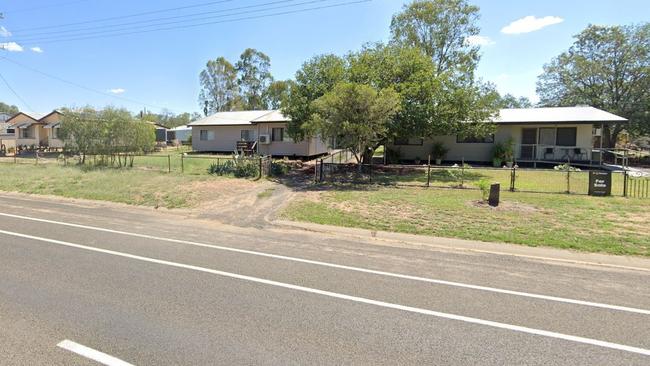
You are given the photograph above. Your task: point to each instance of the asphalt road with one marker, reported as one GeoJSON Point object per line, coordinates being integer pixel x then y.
{"type": "Point", "coordinates": [152, 288]}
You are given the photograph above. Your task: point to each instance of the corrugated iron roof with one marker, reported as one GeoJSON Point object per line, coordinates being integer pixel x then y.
{"type": "Point", "coordinates": [240, 118]}
{"type": "Point", "coordinates": [556, 114]}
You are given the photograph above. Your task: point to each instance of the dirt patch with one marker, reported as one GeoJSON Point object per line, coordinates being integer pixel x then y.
{"type": "Point", "coordinates": [506, 206]}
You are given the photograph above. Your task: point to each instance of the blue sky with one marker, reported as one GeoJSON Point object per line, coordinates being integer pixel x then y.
{"type": "Point", "coordinates": [160, 69]}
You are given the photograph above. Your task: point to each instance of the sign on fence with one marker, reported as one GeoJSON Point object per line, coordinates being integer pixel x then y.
{"type": "Point", "coordinates": [600, 183]}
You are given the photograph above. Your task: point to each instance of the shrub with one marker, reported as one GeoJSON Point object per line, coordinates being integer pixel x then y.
{"type": "Point", "coordinates": [222, 169]}
{"type": "Point", "coordinates": [246, 169]}
{"type": "Point", "coordinates": [392, 156]}
{"type": "Point", "coordinates": [439, 150]}
{"type": "Point", "coordinates": [280, 168]}
{"type": "Point", "coordinates": [484, 185]}
{"type": "Point", "coordinates": [565, 167]}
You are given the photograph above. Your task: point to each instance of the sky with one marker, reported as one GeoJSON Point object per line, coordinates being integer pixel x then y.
{"type": "Point", "coordinates": [44, 67]}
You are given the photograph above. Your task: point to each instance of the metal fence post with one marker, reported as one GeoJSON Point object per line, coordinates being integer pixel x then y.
{"type": "Point", "coordinates": [169, 163]}
{"type": "Point", "coordinates": [260, 177]}
{"type": "Point", "coordinates": [462, 173]}
{"type": "Point", "coordinates": [568, 176]}
{"type": "Point", "coordinates": [321, 170]}
{"type": "Point", "coordinates": [513, 177]}
{"type": "Point", "coordinates": [182, 163]}
{"type": "Point", "coordinates": [429, 172]}
{"type": "Point", "coordinates": [624, 183]}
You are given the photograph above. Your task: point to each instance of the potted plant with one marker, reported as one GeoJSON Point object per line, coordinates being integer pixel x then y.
{"type": "Point", "coordinates": [438, 152]}
{"type": "Point", "coordinates": [509, 152]}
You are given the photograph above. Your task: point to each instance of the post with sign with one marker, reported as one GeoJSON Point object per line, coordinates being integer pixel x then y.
{"type": "Point", "coordinates": [600, 183]}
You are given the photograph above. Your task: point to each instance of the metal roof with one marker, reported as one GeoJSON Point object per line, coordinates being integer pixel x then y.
{"type": "Point", "coordinates": [556, 115]}
{"type": "Point", "coordinates": [240, 118]}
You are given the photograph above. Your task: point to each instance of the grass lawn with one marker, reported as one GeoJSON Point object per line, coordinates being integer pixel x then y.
{"type": "Point", "coordinates": [535, 180]}
{"type": "Point", "coordinates": [131, 186]}
{"type": "Point", "coordinates": [612, 224]}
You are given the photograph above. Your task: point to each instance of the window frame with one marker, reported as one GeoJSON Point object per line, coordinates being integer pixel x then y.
{"type": "Point", "coordinates": [208, 134]}
{"type": "Point", "coordinates": [407, 141]}
{"type": "Point", "coordinates": [489, 139]}
{"type": "Point", "coordinates": [575, 136]}
{"type": "Point", "coordinates": [273, 134]}
{"type": "Point", "coordinates": [249, 133]}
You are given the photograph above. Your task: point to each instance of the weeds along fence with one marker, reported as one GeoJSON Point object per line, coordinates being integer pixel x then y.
{"type": "Point", "coordinates": [171, 163]}
{"type": "Point", "coordinates": [467, 177]}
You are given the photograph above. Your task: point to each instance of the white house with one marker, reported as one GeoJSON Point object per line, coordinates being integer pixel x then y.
{"type": "Point", "coordinates": [264, 132]}
{"type": "Point", "coordinates": [538, 134]}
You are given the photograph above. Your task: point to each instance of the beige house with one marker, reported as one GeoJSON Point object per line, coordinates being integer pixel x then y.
{"type": "Point", "coordinates": [539, 135]}
{"type": "Point", "coordinates": [36, 130]}
{"type": "Point", "coordinates": [264, 132]}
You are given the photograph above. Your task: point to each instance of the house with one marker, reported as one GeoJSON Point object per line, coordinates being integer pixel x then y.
{"type": "Point", "coordinates": [181, 134]}
{"type": "Point", "coordinates": [264, 132]}
{"type": "Point", "coordinates": [36, 130]}
{"type": "Point", "coordinates": [552, 135]}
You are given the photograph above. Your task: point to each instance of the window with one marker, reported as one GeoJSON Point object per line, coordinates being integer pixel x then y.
{"type": "Point", "coordinates": [408, 141]}
{"type": "Point", "coordinates": [489, 139]}
{"type": "Point", "coordinates": [547, 136]}
{"type": "Point", "coordinates": [11, 130]}
{"type": "Point", "coordinates": [247, 135]}
{"type": "Point", "coordinates": [55, 133]}
{"type": "Point", "coordinates": [24, 133]}
{"type": "Point", "coordinates": [566, 136]}
{"type": "Point", "coordinates": [205, 135]}
{"type": "Point", "coordinates": [277, 134]}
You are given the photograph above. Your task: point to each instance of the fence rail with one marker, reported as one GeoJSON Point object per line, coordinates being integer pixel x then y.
{"type": "Point", "coordinates": [168, 163]}
{"type": "Point", "coordinates": [513, 179]}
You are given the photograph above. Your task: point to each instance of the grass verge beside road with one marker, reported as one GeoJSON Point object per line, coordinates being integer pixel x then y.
{"type": "Point", "coordinates": [129, 186]}
{"type": "Point", "coordinates": [612, 224]}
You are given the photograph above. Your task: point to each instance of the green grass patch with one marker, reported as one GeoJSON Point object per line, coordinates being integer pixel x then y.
{"type": "Point", "coordinates": [613, 225]}
{"type": "Point", "coordinates": [266, 193]}
{"type": "Point", "coordinates": [131, 186]}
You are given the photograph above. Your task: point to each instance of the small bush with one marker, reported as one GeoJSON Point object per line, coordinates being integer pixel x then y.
{"type": "Point", "coordinates": [565, 167]}
{"type": "Point", "coordinates": [280, 168]}
{"type": "Point", "coordinates": [392, 156]}
{"type": "Point", "coordinates": [222, 169]}
{"type": "Point", "coordinates": [246, 169]}
{"type": "Point", "coordinates": [484, 185]}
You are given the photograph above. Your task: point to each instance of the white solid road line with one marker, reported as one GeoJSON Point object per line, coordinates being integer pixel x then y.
{"type": "Point", "coordinates": [92, 354]}
{"type": "Point", "coordinates": [344, 267]}
{"type": "Point", "coordinates": [516, 328]}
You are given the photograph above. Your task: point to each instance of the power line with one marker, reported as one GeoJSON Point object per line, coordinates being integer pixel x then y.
{"type": "Point", "coordinates": [16, 94]}
{"type": "Point", "coordinates": [128, 15]}
{"type": "Point", "coordinates": [142, 23]}
{"type": "Point", "coordinates": [205, 23]}
{"type": "Point", "coordinates": [45, 6]}
{"type": "Point", "coordinates": [82, 86]}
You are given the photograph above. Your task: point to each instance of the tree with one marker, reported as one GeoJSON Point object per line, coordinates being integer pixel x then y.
{"type": "Point", "coordinates": [8, 109]}
{"type": "Point", "coordinates": [440, 28]}
{"type": "Point", "coordinates": [219, 88]}
{"type": "Point", "coordinates": [316, 77]}
{"type": "Point", "coordinates": [356, 115]}
{"type": "Point", "coordinates": [277, 92]}
{"type": "Point", "coordinates": [510, 101]}
{"type": "Point", "coordinates": [254, 78]}
{"type": "Point", "coordinates": [607, 68]}
{"type": "Point", "coordinates": [430, 104]}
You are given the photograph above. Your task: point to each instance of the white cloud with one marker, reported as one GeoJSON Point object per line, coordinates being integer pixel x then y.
{"type": "Point", "coordinates": [11, 47]}
{"type": "Point", "coordinates": [4, 32]}
{"type": "Point", "coordinates": [530, 24]}
{"type": "Point", "coordinates": [478, 41]}
{"type": "Point", "coordinates": [37, 49]}
{"type": "Point", "coordinates": [116, 91]}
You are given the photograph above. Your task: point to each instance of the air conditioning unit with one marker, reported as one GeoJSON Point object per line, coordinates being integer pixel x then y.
{"type": "Point", "coordinates": [265, 139]}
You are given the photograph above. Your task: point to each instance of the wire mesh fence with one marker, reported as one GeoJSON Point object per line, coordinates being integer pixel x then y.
{"type": "Point", "coordinates": [566, 180]}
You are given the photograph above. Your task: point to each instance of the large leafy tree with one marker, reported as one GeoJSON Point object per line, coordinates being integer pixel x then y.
{"type": "Point", "coordinates": [8, 109]}
{"type": "Point", "coordinates": [357, 115]}
{"type": "Point", "coordinates": [510, 101]}
{"type": "Point", "coordinates": [440, 28]}
{"type": "Point", "coordinates": [254, 79]}
{"type": "Point", "coordinates": [431, 104]}
{"type": "Point", "coordinates": [219, 87]}
{"type": "Point", "coordinates": [277, 92]}
{"type": "Point", "coordinates": [316, 77]}
{"type": "Point", "coordinates": [607, 67]}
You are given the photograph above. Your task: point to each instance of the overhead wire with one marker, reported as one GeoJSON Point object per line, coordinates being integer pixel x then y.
{"type": "Point", "coordinates": [199, 24]}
